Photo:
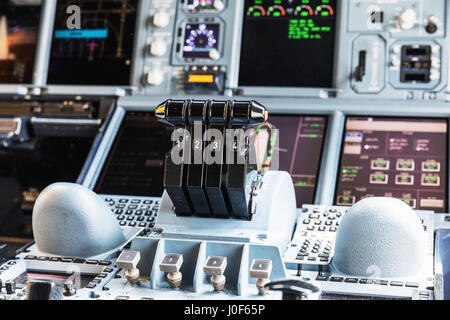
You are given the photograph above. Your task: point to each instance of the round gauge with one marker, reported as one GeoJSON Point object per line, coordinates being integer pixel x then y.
{"type": "Point", "coordinates": [324, 10]}
{"type": "Point", "coordinates": [256, 11]}
{"type": "Point", "coordinates": [200, 40]}
{"type": "Point", "coordinates": [304, 11]}
{"type": "Point", "coordinates": [276, 11]}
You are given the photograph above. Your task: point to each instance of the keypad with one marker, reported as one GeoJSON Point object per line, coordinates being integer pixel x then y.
{"type": "Point", "coordinates": [314, 238]}
{"type": "Point", "coordinates": [315, 235]}
{"type": "Point", "coordinates": [134, 212]}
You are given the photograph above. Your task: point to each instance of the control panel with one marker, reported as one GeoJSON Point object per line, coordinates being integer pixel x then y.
{"type": "Point", "coordinates": [367, 48]}
{"type": "Point", "coordinates": [225, 149]}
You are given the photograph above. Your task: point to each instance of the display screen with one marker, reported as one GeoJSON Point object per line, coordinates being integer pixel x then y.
{"type": "Point", "coordinates": [403, 158]}
{"type": "Point", "coordinates": [100, 52]}
{"type": "Point", "coordinates": [19, 28]}
{"type": "Point", "coordinates": [300, 142]}
{"type": "Point", "coordinates": [288, 43]}
{"type": "Point", "coordinates": [200, 39]}
{"type": "Point", "coordinates": [135, 164]}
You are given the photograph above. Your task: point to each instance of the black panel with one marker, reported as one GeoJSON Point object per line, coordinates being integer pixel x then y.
{"type": "Point", "coordinates": [288, 44]}
{"type": "Point", "coordinates": [300, 150]}
{"type": "Point", "coordinates": [403, 158]}
{"type": "Point", "coordinates": [100, 52]}
{"type": "Point", "coordinates": [135, 164]}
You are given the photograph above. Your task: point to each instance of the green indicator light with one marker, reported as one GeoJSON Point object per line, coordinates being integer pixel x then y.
{"type": "Point", "coordinates": [314, 125]}
{"type": "Point", "coordinates": [354, 171]}
{"type": "Point", "coordinates": [313, 135]}
{"type": "Point", "coordinates": [301, 183]}
{"type": "Point", "coordinates": [325, 13]}
{"type": "Point", "coordinates": [346, 199]}
{"type": "Point", "coordinates": [407, 201]}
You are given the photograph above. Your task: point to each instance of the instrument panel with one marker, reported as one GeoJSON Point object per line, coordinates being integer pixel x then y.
{"type": "Point", "coordinates": [358, 95]}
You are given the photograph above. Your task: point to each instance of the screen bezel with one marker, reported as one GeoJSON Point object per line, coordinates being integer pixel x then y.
{"type": "Point", "coordinates": [322, 148]}
{"type": "Point", "coordinates": [289, 91]}
{"type": "Point", "coordinates": [342, 141]}
{"type": "Point", "coordinates": [111, 148]}
{"type": "Point", "coordinates": [137, 57]}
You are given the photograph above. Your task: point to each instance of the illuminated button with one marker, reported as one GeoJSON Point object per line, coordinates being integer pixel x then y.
{"type": "Point", "coordinates": [410, 202]}
{"type": "Point", "coordinates": [405, 165]}
{"type": "Point", "coordinates": [201, 78]}
{"type": "Point", "coordinates": [404, 179]}
{"type": "Point", "coordinates": [431, 166]}
{"type": "Point", "coordinates": [380, 164]}
{"type": "Point", "coordinates": [431, 180]}
{"type": "Point", "coordinates": [378, 178]}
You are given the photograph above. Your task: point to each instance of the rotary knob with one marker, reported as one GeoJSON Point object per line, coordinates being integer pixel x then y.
{"type": "Point", "coordinates": [155, 77]}
{"type": "Point", "coordinates": [219, 5]}
{"type": "Point", "coordinates": [161, 19]}
{"type": "Point", "coordinates": [214, 54]}
{"type": "Point", "coordinates": [158, 48]}
{"type": "Point", "coordinates": [407, 19]}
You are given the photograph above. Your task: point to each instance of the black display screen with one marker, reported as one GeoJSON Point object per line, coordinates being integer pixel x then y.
{"type": "Point", "coordinates": [19, 26]}
{"type": "Point", "coordinates": [288, 43]}
{"type": "Point", "coordinates": [200, 39]}
{"type": "Point", "coordinates": [403, 158]}
{"type": "Point", "coordinates": [300, 144]}
{"type": "Point", "coordinates": [135, 164]}
{"type": "Point", "coordinates": [100, 53]}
